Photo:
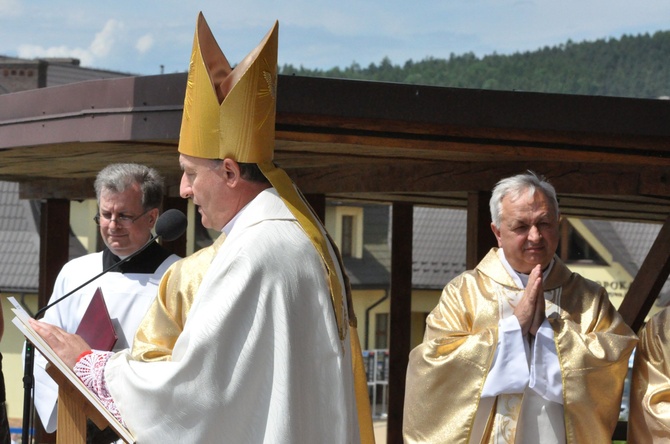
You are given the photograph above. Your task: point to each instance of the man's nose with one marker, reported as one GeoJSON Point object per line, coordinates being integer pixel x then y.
{"type": "Point", "coordinates": [184, 188]}
{"type": "Point", "coordinates": [534, 234]}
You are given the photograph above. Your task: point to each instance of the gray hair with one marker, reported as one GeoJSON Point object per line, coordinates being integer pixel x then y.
{"type": "Point", "coordinates": [514, 186]}
{"type": "Point", "coordinates": [118, 177]}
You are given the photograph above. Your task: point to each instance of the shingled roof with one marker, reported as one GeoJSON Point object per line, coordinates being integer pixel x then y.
{"type": "Point", "coordinates": [438, 248]}
{"type": "Point", "coordinates": [373, 269]}
{"type": "Point", "coordinates": [629, 243]}
{"type": "Point", "coordinates": [20, 242]}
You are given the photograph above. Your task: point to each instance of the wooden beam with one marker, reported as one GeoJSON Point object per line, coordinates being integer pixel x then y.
{"type": "Point", "coordinates": [70, 189]}
{"type": "Point", "coordinates": [401, 315]}
{"type": "Point", "coordinates": [415, 176]}
{"type": "Point", "coordinates": [648, 281]}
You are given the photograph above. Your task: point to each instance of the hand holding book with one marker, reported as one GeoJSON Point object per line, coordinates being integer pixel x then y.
{"type": "Point", "coordinates": [67, 346]}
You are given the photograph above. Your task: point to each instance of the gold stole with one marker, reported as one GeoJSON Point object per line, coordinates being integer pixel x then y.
{"type": "Point", "coordinates": [320, 239]}
{"type": "Point", "coordinates": [164, 321]}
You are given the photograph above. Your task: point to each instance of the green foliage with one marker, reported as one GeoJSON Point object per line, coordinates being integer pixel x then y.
{"type": "Point", "coordinates": [633, 66]}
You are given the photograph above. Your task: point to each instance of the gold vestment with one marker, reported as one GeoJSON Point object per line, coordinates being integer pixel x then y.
{"type": "Point", "coordinates": [446, 373]}
{"type": "Point", "coordinates": [649, 417]}
{"type": "Point", "coordinates": [164, 321]}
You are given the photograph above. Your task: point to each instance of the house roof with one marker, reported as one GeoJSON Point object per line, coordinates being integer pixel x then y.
{"type": "Point", "coordinates": [20, 242]}
{"type": "Point", "coordinates": [629, 243]}
{"type": "Point", "coordinates": [373, 268]}
{"type": "Point", "coordinates": [439, 246]}
{"type": "Point", "coordinates": [56, 71]}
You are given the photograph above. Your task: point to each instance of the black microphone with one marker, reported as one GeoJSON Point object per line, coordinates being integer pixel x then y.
{"type": "Point", "coordinates": [169, 226]}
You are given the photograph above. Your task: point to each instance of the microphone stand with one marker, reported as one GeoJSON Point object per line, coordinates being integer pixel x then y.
{"type": "Point", "coordinates": [29, 359]}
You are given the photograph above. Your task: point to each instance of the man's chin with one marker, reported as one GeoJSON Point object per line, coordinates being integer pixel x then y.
{"type": "Point", "coordinates": [119, 250]}
{"type": "Point", "coordinates": [205, 222]}
{"type": "Point", "coordinates": [544, 262]}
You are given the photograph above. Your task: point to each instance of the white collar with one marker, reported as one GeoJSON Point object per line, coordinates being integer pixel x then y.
{"type": "Point", "coordinates": [521, 279]}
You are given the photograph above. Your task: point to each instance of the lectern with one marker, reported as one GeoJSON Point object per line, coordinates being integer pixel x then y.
{"type": "Point", "coordinates": [76, 403]}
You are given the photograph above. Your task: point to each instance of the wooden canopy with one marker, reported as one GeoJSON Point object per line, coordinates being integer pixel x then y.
{"type": "Point", "coordinates": [403, 144]}
{"type": "Point", "coordinates": [607, 157]}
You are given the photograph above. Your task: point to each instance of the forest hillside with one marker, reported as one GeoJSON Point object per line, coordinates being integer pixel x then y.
{"type": "Point", "coordinates": [632, 66]}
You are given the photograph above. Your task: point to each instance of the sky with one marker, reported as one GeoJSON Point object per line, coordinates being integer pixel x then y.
{"type": "Point", "coordinates": [147, 37]}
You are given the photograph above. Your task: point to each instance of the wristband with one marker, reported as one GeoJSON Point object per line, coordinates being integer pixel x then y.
{"type": "Point", "coordinates": [87, 352]}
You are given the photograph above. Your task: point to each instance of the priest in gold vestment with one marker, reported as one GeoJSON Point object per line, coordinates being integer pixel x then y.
{"type": "Point", "coordinates": [649, 417]}
{"type": "Point", "coordinates": [520, 349]}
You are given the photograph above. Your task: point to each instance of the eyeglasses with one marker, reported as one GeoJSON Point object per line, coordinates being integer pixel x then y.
{"type": "Point", "coordinates": [122, 219]}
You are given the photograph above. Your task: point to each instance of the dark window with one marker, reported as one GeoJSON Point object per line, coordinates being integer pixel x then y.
{"type": "Point", "coordinates": [574, 248]}
{"type": "Point", "coordinates": [347, 236]}
{"type": "Point", "coordinates": [381, 330]}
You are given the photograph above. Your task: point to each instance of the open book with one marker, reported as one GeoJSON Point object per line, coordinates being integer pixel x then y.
{"type": "Point", "coordinates": [21, 321]}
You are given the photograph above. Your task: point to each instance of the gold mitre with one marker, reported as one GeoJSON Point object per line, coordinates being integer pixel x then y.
{"type": "Point", "coordinates": [230, 113]}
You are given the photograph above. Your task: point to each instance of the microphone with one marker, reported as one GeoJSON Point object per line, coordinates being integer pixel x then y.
{"type": "Point", "coordinates": [169, 226]}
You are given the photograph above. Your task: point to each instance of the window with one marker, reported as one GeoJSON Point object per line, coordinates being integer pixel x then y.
{"type": "Point", "coordinates": [345, 225]}
{"type": "Point", "coordinates": [381, 330]}
{"type": "Point", "coordinates": [347, 242]}
{"type": "Point", "coordinates": [574, 248]}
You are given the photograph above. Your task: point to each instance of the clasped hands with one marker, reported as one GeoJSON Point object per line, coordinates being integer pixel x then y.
{"type": "Point", "coordinates": [531, 309]}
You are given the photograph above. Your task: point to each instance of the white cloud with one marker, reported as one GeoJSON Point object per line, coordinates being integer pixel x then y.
{"type": "Point", "coordinates": [144, 43]}
{"type": "Point", "coordinates": [36, 51]}
{"type": "Point", "coordinates": [99, 48]}
{"type": "Point", "coordinates": [104, 40]}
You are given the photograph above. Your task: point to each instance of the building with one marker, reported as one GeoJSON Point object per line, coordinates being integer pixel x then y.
{"type": "Point", "coordinates": [25, 74]}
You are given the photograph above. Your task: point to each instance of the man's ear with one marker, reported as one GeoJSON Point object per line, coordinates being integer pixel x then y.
{"type": "Point", "coordinates": [496, 233]}
{"type": "Point", "coordinates": [230, 171]}
{"type": "Point", "coordinates": [153, 216]}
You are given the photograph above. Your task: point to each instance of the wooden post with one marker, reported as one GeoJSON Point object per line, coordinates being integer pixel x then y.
{"type": "Point", "coordinates": [648, 281]}
{"type": "Point", "coordinates": [54, 253]}
{"type": "Point", "coordinates": [401, 315]}
{"type": "Point", "coordinates": [54, 244]}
